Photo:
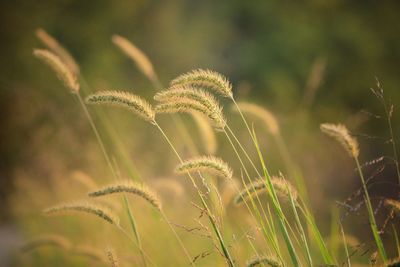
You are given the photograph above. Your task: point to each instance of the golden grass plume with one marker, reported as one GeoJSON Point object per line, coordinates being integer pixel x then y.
{"type": "Point", "coordinates": [206, 132]}
{"type": "Point", "coordinates": [125, 100]}
{"type": "Point", "coordinates": [210, 164]}
{"type": "Point", "coordinates": [58, 49]}
{"type": "Point", "coordinates": [131, 187]}
{"type": "Point", "coordinates": [138, 56]}
{"type": "Point", "coordinates": [89, 252]}
{"type": "Point", "coordinates": [283, 188]}
{"type": "Point", "coordinates": [205, 79]}
{"type": "Point", "coordinates": [201, 101]}
{"type": "Point", "coordinates": [46, 240]}
{"type": "Point", "coordinates": [264, 260]}
{"type": "Point", "coordinates": [101, 211]}
{"type": "Point", "coordinates": [112, 257]}
{"type": "Point", "coordinates": [60, 68]}
{"type": "Point", "coordinates": [341, 134]}
{"type": "Point", "coordinates": [261, 113]}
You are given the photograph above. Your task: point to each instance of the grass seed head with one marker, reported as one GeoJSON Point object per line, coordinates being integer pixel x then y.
{"type": "Point", "coordinates": [341, 134]}
{"type": "Point", "coordinates": [53, 45]}
{"type": "Point", "coordinates": [210, 164]}
{"type": "Point", "coordinates": [138, 56]}
{"type": "Point", "coordinates": [263, 114]}
{"type": "Point", "coordinates": [205, 79]}
{"type": "Point", "coordinates": [60, 68]}
{"type": "Point", "coordinates": [129, 187]}
{"type": "Point", "coordinates": [125, 100]}
{"type": "Point", "coordinates": [263, 260]}
{"type": "Point", "coordinates": [84, 207]}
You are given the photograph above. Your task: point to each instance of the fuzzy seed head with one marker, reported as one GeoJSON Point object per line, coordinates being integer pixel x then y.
{"type": "Point", "coordinates": [263, 260]}
{"type": "Point", "coordinates": [138, 56]}
{"type": "Point", "coordinates": [206, 132]}
{"type": "Point", "coordinates": [261, 113]}
{"type": "Point", "coordinates": [62, 71]}
{"type": "Point", "coordinates": [282, 187]}
{"type": "Point", "coordinates": [128, 186]}
{"type": "Point", "coordinates": [89, 252]}
{"type": "Point", "coordinates": [125, 100]}
{"type": "Point", "coordinates": [46, 240]}
{"type": "Point", "coordinates": [53, 45]}
{"type": "Point", "coordinates": [206, 79]}
{"type": "Point", "coordinates": [112, 257]}
{"type": "Point", "coordinates": [210, 164]}
{"type": "Point", "coordinates": [187, 106]}
{"type": "Point", "coordinates": [84, 207]}
{"type": "Point", "coordinates": [394, 204]}
{"type": "Point", "coordinates": [341, 134]}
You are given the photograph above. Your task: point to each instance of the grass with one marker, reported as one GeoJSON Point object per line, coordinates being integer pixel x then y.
{"type": "Point", "coordinates": [287, 232]}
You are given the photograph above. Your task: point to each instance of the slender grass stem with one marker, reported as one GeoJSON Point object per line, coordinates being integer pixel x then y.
{"type": "Point", "coordinates": [345, 245]}
{"type": "Point", "coordinates": [213, 224]}
{"type": "Point", "coordinates": [113, 171]}
{"type": "Point", "coordinates": [371, 216]}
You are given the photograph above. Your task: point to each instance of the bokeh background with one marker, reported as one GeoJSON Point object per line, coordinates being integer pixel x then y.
{"type": "Point", "coordinates": [308, 62]}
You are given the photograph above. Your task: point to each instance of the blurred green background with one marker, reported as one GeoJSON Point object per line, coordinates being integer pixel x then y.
{"type": "Point", "coordinates": [270, 50]}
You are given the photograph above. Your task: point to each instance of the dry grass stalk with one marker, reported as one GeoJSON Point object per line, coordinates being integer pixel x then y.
{"type": "Point", "coordinates": [261, 113]}
{"type": "Point", "coordinates": [129, 187]}
{"type": "Point", "coordinates": [138, 57]}
{"type": "Point", "coordinates": [210, 164]}
{"type": "Point", "coordinates": [46, 240]}
{"type": "Point", "coordinates": [205, 79]}
{"type": "Point", "coordinates": [341, 134]}
{"type": "Point", "coordinates": [62, 71]}
{"type": "Point", "coordinates": [58, 49]}
{"type": "Point", "coordinates": [283, 189]}
{"type": "Point", "coordinates": [125, 100]}
{"type": "Point", "coordinates": [84, 207]}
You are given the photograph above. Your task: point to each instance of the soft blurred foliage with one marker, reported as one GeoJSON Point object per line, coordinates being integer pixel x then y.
{"type": "Point", "coordinates": [270, 50]}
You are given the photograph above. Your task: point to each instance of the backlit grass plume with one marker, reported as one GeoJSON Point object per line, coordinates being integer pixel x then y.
{"type": "Point", "coordinates": [84, 207]}
{"type": "Point", "coordinates": [134, 53]}
{"type": "Point", "coordinates": [53, 45]}
{"type": "Point", "coordinates": [394, 204]}
{"type": "Point", "coordinates": [125, 100]}
{"type": "Point", "coordinates": [263, 261]}
{"type": "Point", "coordinates": [340, 133]}
{"type": "Point", "coordinates": [60, 68]}
{"type": "Point", "coordinates": [206, 102]}
{"type": "Point", "coordinates": [206, 132]}
{"type": "Point", "coordinates": [205, 79]}
{"type": "Point", "coordinates": [188, 106]}
{"type": "Point", "coordinates": [261, 113]}
{"type": "Point", "coordinates": [112, 257]}
{"type": "Point", "coordinates": [89, 252]}
{"type": "Point", "coordinates": [46, 240]}
{"type": "Point", "coordinates": [210, 164]}
{"type": "Point", "coordinates": [129, 187]}
{"type": "Point", "coordinates": [282, 187]}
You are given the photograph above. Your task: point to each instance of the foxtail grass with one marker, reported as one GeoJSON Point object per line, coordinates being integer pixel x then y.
{"type": "Point", "coordinates": [342, 135]}
{"type": "Point", "coordinates": [130, 187]}
{"type": "Point", "coordinates": [210, 164]}
{"type": "Point", "coordinates": [84, 207]}
{"type": "Point", "coordinates": [51, 240]}
{"type": "Point", "coordinates": [60, 69]}
{"type": "Point", "coordinates": [54, 46]}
